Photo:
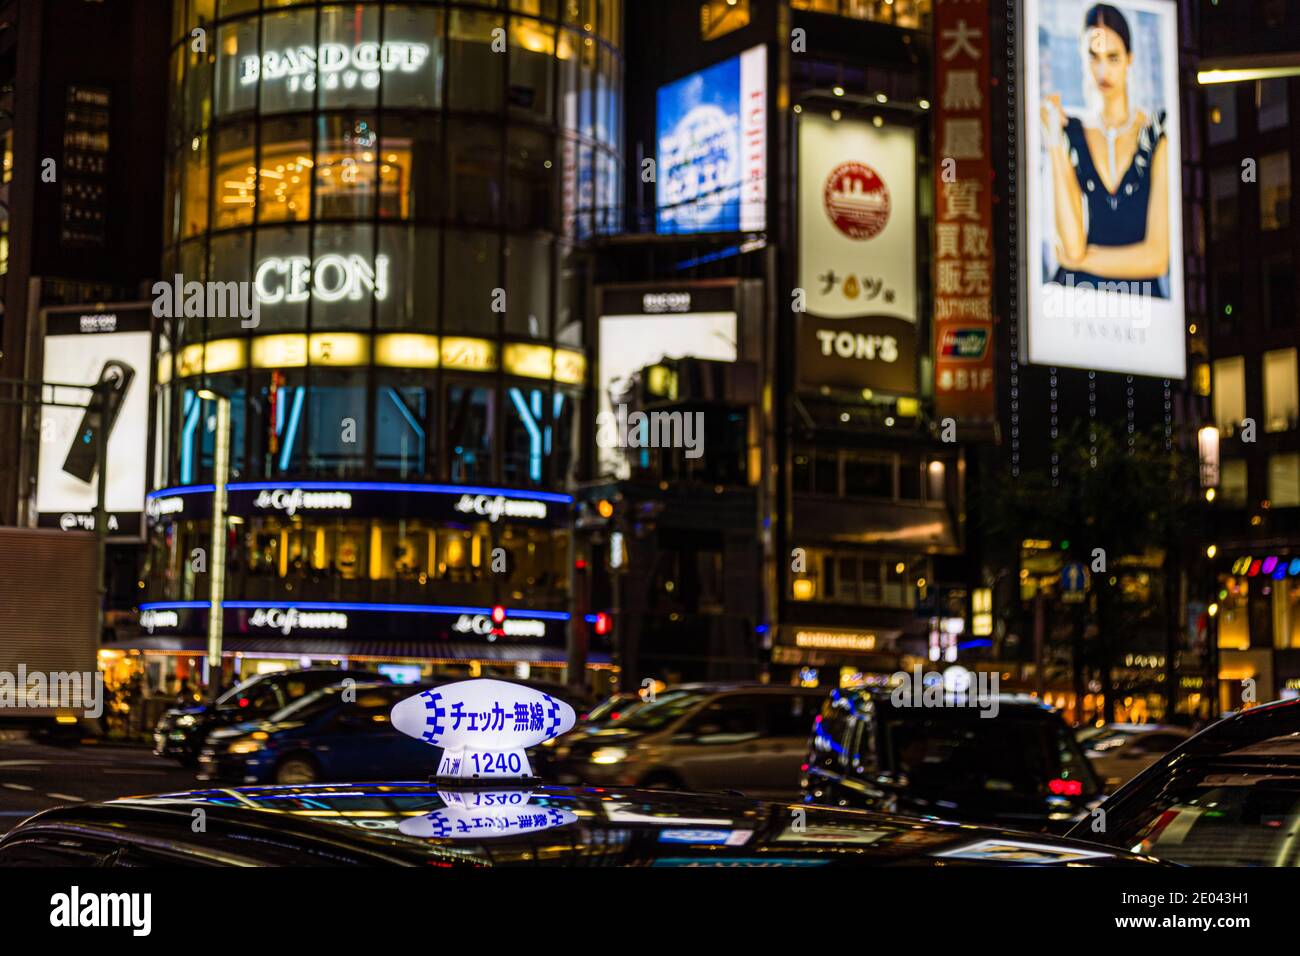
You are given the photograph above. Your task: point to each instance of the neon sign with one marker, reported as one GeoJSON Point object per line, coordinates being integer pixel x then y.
{"type": "Point", "coordinates": [337, 65]}
{"type": "Point", "coordinates": [330, 278]}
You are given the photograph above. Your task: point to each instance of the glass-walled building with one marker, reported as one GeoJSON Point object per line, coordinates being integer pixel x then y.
{"type": "Point", "coordinates": [403, 195]}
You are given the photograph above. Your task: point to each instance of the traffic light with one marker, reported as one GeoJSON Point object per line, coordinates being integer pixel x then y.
{"type": "Point", "coordinates": [602, 623]}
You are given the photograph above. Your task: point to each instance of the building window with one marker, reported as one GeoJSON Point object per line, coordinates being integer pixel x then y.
{"type": "Point", "coordinates": [1281, 390]}
{"type": "Point", "coordinates": [1221, 112]}
{"type": "Point", "coordinates": [1286, 614]}
{"type": "Point", "coordinates": [237, 59]}
{"type": "Point", "coordinates": [1229, 393]}
{"type": "Point", "coordinates": [346, 166]}
{"type": "Point", "coordinates": [866, 477]}
{"type": "Point", "coordinates": [1225, 295]}
{"type": "Point", "coordinates": [285, 34]}
{"type": "Point", "coordinates": [470, 425]}
{"type": "Point", "coordinates": [527, 436]}
{"type": "Point", "coordinates": [421, 87]}
{"type": "Point", "coordinates": [528, 288]}
{"type": "Point", "coordinates": [1234, 615]}
{"type": "Point", "coordinates": [1232, 483]}
{"type": "Point", "coordinates": [477, 72]}
{"type": "Point", "coordinates": [236, 177]}
{"type": "Point", "coordinates": [1284, 480]}
{"type": "Point", "coordinates": [1223, 202]}
{"type": "Point", "coordinates": [1271, 101]}
{"type": "Point", "coordinates": [1279, 293]}
{"type": "Point", "coordinates": [284, 175]}
{"type": "Point", "coordinates": [404, 426]}
{"type": "Point", "coordinates": [473, 258]}
{"type": "Point", "coordinates": [1275, 191]}
{"type": "Point", "coordinates": [336, 419]}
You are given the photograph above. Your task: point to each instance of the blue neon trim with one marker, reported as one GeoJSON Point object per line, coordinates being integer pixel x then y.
{"type": "Point", "coordinates": [291, 432]}
{"type": "Point", "coordinates": [352, 606]}
{"type": "Point", "coordinates": [396, 486]}
{"type": "Point", "coordinates": [980, 642]}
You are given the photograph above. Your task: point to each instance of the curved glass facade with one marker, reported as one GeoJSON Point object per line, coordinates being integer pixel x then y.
{"type": "Point", "coordinates": [408, 188]}
{"type": "Point", "coordinates": [376, 226]}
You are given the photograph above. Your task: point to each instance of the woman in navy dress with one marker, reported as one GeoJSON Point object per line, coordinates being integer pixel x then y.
{"type": "Point", "coordinates": [1110, 173]}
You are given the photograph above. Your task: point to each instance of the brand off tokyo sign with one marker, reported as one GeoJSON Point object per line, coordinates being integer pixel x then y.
{"type": "Point", "coordinates": [337, 64]}
{"type": "Point", "coordinates": [330, 278]}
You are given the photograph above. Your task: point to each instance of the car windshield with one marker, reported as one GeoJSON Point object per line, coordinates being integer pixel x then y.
{"type": "Point", "coordinates": [241, 689]}
{"type": "Point", "coordinates": [1217, 814]}
{"type": "Point", "coordinates": [305, 708]}
{"type": "Point", "coordinates": [665, 709]}
{"type": "Point", "coordinates": [1015, 756]}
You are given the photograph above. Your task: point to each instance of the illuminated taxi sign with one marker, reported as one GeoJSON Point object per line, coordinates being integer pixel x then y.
{"type": "Point", "coordinates": [480, 814]}
{"type": "Point", "coordinates": [483, 726]}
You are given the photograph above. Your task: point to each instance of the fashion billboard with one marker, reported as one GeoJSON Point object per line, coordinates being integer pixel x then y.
{"type": "Point", "coordinates": [857, 255]}
{"type": "Point", "coordinates": [1102, 206]}
{"type": "Point", "coordinates": [711, 148]}
{"type": "Point", "coordinates": [83, 348]}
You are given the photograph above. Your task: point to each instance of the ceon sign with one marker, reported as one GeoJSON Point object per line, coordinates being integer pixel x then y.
{"type": "Point", "coordinates": [330, 278]}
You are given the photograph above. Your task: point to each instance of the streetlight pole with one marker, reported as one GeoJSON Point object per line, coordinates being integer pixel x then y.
{"type": "Point", "coordinates": [217, 551]}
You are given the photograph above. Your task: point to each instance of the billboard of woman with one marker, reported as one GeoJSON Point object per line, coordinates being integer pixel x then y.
{"type": "Point", "coordinates": [1101, 210]}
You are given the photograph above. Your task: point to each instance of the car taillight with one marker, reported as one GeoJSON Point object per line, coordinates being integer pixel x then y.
{"type": "Point", "coordinates": [1066, 788]}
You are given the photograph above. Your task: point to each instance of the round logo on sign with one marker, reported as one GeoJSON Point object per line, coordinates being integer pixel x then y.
{"type": "Point", "coordinates": [857, 200]}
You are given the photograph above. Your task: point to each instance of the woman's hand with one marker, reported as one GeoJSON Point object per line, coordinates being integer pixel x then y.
{"type": "Point", "coordinates": [1052, 117]}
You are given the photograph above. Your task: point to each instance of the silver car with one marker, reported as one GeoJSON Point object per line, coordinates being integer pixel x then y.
{"type": "Point", "coordinates": [746, 737]}
{"type": "Point", "coordinates": [1118, 752]}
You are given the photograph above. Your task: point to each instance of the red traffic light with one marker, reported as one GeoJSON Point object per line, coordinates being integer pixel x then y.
{"type": "Point", "coordinates": [602, 623]}
{"type": "Point", "coordinates": [498, 614]}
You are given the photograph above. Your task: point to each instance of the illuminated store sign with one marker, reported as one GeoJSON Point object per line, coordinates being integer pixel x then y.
{"type": "Point", "coordinates": [482, 624]}
{"type": "Point", "coordinates": [285, 620]}
{"type": "Point", "coordinates": [160, 507]}
{"type": "Point", "coordinates": [494, 507]}
{"type": "Point", "coordinates": [337, 64]}
{"type": "Point", "coordinates": [152, 620]}
{"type": "Point", "coordinates": [331, 278]}
{"type": "Point", "coordinates": [291, 501]}
{"type": "Point", "coordinates": [832, 640]}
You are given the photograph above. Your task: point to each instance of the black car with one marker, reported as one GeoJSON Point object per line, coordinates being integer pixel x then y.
{"type": "Point", "coordinates": [1021, 768]}
{"type": "Point", "coordinates": [181, 731]}
{"type": "Point", "coordinates": [1229, 796]}
{"type": "Point", "coordinates": [422, 824]}
{"type": "Point", "coordinates": [327, 735]}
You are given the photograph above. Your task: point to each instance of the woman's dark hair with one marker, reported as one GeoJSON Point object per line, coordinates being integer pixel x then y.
{"type": "Point", "coordinates": [1104, 15]}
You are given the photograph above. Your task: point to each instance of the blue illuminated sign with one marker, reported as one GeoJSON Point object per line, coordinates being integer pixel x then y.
{"type": "Point", "coordinates": [711, 148]}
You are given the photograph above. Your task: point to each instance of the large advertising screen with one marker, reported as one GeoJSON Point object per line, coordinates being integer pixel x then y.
{"type": "Point", "coordinates": [1102, 214]}
{"type": "Point", "coordinates": [711, 148]}
{"type": "Point", "coordinates": [86, 347]}
{"type": "Point", "coordinates": [857, 255]}
{"type": "Point", "coordinates": [646, 326]}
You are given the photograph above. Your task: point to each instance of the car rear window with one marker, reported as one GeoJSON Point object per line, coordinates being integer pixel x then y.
{"type": "Point", "coordinates": [1023, 756]}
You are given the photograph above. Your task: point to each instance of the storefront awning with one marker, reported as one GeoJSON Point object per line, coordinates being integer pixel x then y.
{"type": "Point", "coordinates": [339, 647]}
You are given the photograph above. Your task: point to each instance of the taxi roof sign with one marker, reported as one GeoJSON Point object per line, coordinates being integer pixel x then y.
{"type": "Point", "coordinates": [483, 726]}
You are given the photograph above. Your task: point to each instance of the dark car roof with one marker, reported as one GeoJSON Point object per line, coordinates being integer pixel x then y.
{"type": "Point", "coordinates": [1015, 705]}
{"type": "Point", "coordinates": [343, 824]}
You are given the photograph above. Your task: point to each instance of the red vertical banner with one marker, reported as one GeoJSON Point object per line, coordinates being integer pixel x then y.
{"type": "Point", "coordinates": [962, 251]}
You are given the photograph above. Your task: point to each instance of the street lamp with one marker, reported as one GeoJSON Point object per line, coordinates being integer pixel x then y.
{"type": "Point", "coordinates": [217, 555]}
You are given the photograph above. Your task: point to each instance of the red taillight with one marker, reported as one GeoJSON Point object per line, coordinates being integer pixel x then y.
{"type": "Point", "coordinates": [602, 623]}
{"type": "Point", "coordinates": [614, 715]}
{"type": "Point", "coordinates": [1066, 788]}
{"type": "Point", "coordinates": [243, 702]}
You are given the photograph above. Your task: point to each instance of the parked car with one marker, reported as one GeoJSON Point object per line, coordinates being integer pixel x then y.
{"type": "Point", "coordinates": [181, 731]}
{"type": "Point", "coordinates": [1120, 751]}
{"type": "Point", "coordinates": [441, 829]}
{"type": "Point", "coordinates": [327, 735]}
{"type": "Point", "coordinates": [698, 737]}
{"type": "Point", "coordinates": [609, 711]}
{"type": "Point", "coordinates": [1021, 768]}
{"type": "Point", "coordinates": [1228, 796]}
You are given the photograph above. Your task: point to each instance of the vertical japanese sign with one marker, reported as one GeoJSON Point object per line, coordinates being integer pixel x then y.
{"type": "Point", "coordinates": [963, 214]}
